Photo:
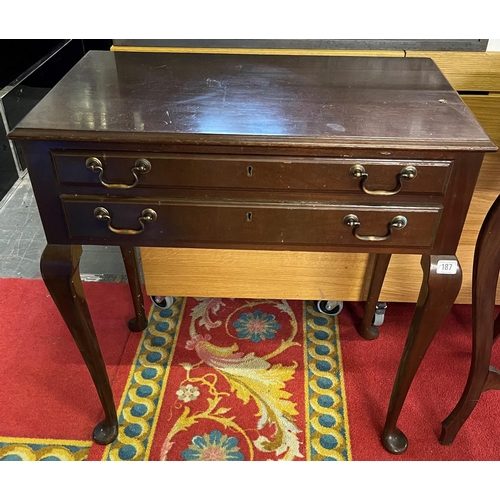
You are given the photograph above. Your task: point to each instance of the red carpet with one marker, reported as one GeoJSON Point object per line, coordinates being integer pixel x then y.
{"type": "Point", "coordinates": [49, 404]}
{"type": "Point", "coordinates": [369, 370]}
{"type": "Point", "coordinates": [229, 380]}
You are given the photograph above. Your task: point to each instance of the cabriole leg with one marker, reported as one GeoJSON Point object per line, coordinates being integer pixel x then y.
{"type": "Point", "coordinates": [437, 295]}
{"type": "Point", "coordinates": [140, 321]}
{"type": "Point", "coordinates": [60, 271]}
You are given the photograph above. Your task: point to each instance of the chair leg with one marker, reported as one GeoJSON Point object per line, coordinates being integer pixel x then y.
{"type": "Point", "coordinates": [484, 327]}
{"type": "Point", "coordinates": [478, 374]}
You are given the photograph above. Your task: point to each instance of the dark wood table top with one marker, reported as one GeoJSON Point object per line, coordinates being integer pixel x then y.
{"type": "Point", "coordinates": [256, 100]}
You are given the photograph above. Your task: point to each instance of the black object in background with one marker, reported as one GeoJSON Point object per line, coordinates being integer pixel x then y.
{"type": "Point", "coordinates": [28, 71]}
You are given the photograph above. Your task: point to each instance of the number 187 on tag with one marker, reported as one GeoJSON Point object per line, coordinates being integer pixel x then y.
{"type": "Point", "coordinates": [447, 267]}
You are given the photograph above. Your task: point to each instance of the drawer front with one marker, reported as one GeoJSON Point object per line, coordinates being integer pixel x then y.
{"type": "Point", "coordinates": [129, 170]}
{"type": "Point", "coordinates": [233, 224]}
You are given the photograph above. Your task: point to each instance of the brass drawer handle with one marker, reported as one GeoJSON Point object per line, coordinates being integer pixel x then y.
{"type": "Point", "coordinates": [142, 166]}
{"type": "Point", "coordinates": [351, 220]}
{"type": "Point", "coordinates": [148, 215]}
{"type": "Point", "coordinates": [358, 172]}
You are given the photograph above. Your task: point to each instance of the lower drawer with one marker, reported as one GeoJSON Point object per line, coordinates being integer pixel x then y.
{"type": "Point", "coordinates": [254, 224]}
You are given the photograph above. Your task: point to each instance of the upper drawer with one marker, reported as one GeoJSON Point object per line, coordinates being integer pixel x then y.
{"type": "Point", "coordinates": [119, 171]}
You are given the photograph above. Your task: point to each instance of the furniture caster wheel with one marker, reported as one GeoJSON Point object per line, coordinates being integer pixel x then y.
{"type": "Point", "coordinates": [330, 307]}
{"type": "Point", "coordinates": [162, 302]}
{"type": "Point", "coordinates": [379, 315]}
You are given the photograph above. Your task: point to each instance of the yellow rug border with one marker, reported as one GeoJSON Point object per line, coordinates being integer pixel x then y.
{"type": "Point", "coordinates": [46, 441]}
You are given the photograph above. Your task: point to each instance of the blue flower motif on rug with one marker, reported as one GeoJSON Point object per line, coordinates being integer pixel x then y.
{"type": "Point", "coordinates": [256, 326]}
{"type": "Point", "coordinates": [213, 447]}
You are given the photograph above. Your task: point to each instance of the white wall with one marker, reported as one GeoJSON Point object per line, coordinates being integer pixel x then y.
{"type": "Point", "coordinates": [493, 45]}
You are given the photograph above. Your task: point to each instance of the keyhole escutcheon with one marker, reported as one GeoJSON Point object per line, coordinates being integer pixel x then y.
{"type": "Point", "coordinates": [249, 216]}
{"type": "Point", "coordinates": [249, 171]}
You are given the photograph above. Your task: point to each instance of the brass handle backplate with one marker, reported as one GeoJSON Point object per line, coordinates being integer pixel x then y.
{"type": "Point", "coordinates": [358, 172]}
{"type": "Point", "coordinates": [352, 221]}
{"type": "Point", "coordinates": [147, 215]}
{"type": "Point", "coordinates": [141, 166]}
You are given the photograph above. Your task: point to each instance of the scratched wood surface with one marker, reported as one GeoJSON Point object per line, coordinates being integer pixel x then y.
{"type": "Point", "coordinates": [213, 99]}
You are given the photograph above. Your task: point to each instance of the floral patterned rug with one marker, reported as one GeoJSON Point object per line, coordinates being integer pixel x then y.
{"type": "Point", "coordinates": [232, 379]}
